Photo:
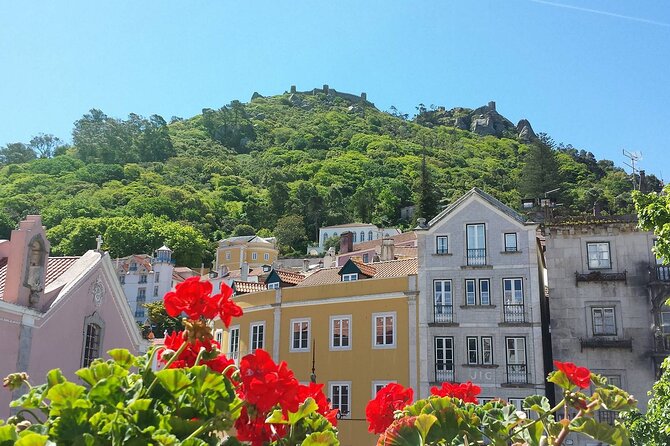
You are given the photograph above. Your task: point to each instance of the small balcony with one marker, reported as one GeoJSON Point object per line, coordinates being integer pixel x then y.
{"type": "Point", "coordinates": [517, 374]}
{"type": "Point", "coordinates": [444, 371]}
{"type": "Point", "coordinates": [661, 273]}
{"type": "Point", "coordinates": [514, 313]}
{"type": "Point", "coordinates": [477, 257]}
{"type": "Point", "coordinates": [443, 314]}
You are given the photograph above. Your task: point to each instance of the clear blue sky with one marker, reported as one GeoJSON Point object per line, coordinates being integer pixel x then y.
{"type": "Point", "coordinates": [593, 73]}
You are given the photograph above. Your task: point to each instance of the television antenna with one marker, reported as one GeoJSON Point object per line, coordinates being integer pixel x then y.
{"type": "Point", "coordinates": [633, 157]}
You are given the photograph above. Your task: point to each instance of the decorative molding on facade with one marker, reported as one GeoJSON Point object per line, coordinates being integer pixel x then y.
{"type": "Point", "coordinates": [599, 276]}
{"type": "Point", "coordinates": [605, 343]}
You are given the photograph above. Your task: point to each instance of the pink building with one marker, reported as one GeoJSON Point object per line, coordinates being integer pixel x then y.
{"type": "Point", "coordinates": [57, 312]}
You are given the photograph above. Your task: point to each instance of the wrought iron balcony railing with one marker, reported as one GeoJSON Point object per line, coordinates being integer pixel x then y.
{"type": "Point", "coordinates": [476, 257]}
{"type": "Point", "coordinates": [444, 314]}
{"type": "Point", "coordinates": [514, 313]}
{"type": "Point", "coordinates": [517, 373]}
{"type": "Point", "coordinates": [444, 371]}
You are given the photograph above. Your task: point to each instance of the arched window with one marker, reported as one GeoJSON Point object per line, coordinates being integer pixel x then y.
{"type": "Point", "coordinates": [369, 235]}
{"type": "Point", "coordinates": [334, 234]}
{"type": "Point", "coordinates": [325, 237]}
{"type": "Point", "coordinates": [354, 237]}
{"type": "Point", "coordinates": [362, 236]}
{"type": "Point", "coordinates": [94, 329]}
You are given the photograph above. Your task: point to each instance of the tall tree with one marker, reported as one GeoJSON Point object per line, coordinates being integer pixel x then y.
{"type": "Point", "coordinates": [290, 233]}
{"type": "Point", "coordinates": [45, 145]}
{"type": "Point", "coordinates": [540, 172]}
{"type": "Point", "coordinates": [426, 203]}
{"type": "Point", "coordinates": [16, 153]}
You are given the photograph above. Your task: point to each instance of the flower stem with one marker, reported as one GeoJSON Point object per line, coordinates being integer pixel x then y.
{"type": "Point", "coordinates": [541, 418]}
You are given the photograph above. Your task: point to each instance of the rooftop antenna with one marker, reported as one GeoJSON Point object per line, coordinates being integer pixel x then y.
{"type": "Point", "coordinates": [634, 157]}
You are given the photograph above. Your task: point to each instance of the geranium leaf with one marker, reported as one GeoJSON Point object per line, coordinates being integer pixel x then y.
{"type": "Point", "coordinates": [174, 380]}
{"type": "Point", "coordinates": [32, 439]}
{"type": "Point", "coordinates": [320, 439]}
{"type": "Point", "coordinates": [614, 398]}
{"type": "Point", "coordinates": [8, 435]}
{"type": "Point", "coordinates": [276, 417]}
{"type": "Point", "coordinates": [423, 423]}
{"type": "Point", "coordinates": [64, 394]}
{"type": "Point", "coordinates": [560, 379]}
{"type": "Point", "coordinates": [54, 377]}
{"type": "Point", "coordinates": [122, 357]}
{"type": "Point", "coordinates": [537, 403]}
{"type": "Point", "coordinates": [612, 435]}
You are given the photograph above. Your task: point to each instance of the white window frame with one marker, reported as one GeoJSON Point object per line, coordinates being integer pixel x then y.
{"type": "Point", "coordinates": [516, 350]}
{"type": "Point", "coordinates": [309, 335]}
{"type": "Point", "coordinates": [596, 259]}
{"type": "Point", "coordinates": [266, 256]}
{"type": "Point", "coordinates": [333, 320]}
{"type": "Point", "coordinates": [472, 346]}
{"type": "Point", "coordinates": [228, 255]}
{"type": "Point", "coordinates": [511, 297]}
{"type": "Point", "coordinates": [273, 286]}
{"type": "Point", "coordinates": [470, 296]}
{"type": "Point", "coordinates": [603, 330]}
{"type": "Point", "coordinates": [157, 276]}
{"type": "Point", "coordinates": [349, 277]}
{"type": "Point", "coordinates": [486, 293]}
{"type": "Point", "coordinates": [475, 239]}
{"type": "Point", "coordinates": [442, 244]}
{"type": "Point", "coordinates": [254, 256]}
{"type": "Point", "coordinates": [252, 335]}
{"type": "Point", "coordinates": [444, 297]}
{"type": "Point", "coordinates": [394, 318]}
{"type": "Point", "coordinates": [665, 322]}
{"type": "Point", "coordinates": [511, 247]}
{"type": "Point", "coordinates": [447, 349]}
{"type": "Point", "coordinates": [378, 385]}
{"type": "Point", "coordinates": [233, 346]}
{"type": "Point", "coordinates": [335, 402]}
{"type": "Point", "coordinates": [482, 356]}
{"type": "Point", "coordinates": [218, 336]}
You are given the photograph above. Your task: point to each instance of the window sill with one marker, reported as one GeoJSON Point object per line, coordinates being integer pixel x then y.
{"type": "Point", "coordinates": [383, 347]}
{"type": "Point", "coordinates": [476, 266]}
{"type": "Point", "coordinates": [441, 254]}
{"type": "Point", "coordinates": [478, 307]}
{"type": "Point", "coordinates": [481, 366]}
{"type": "Point", "coordinates": [301, 350]}
{"type": "Point", "coordinates": [443, 324]}
{"type": "Point", "coordinates": [511, 252]}
{"type": "Point", "coordinates": [515, 324]}
{"type": "Point", "coordinates": [605, 342]}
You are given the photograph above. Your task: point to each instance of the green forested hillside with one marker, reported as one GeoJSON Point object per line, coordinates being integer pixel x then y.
{"type": "Point", "coordinates": [285, 165]}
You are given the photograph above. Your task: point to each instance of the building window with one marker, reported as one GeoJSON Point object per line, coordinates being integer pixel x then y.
{"type": "Point", "coordinates": [141, 295]}
{"type": "Point", "coordinates": [122, 279]}
{"type": "Point", "coordinates": [340, 398]}
{"type": "Point", "coordinates": [366, 258]}
{"type": "Point", "coordinates": [353, 237]}
{"type": "Point", "coordinates": [157, 277]}
{"type": "Point", "coordinates": [511, 242]}
{"type": "Point", "coordinates": [340, 332]}
{"type": "Point", "coordinates": [470, 294]}
{"type": "Point", "coordinates": [155, 291]}
{"type": "Point", "coordinates": [362, 236]}
{"type": "Point", "coordinates": [143, 278]}
{"type": "Point", "coordinates": [665, 322]}
{"type": "Point", "coordinates": [139, 313]}
{"type": "Point", "coordinates": [266, 256]}
{"type": "Point", "coordinates": [442, 298]}
{"type": "Point", "coordinates": [604, 321]}
{"type": "Point", "coordinates": [442, 244]}
{"type": "Point", "coordinates": [227, 255]}
{"type": "Point", "coordinates": [234, 343]}
{"type": "Point", "coordinates": [379, 385]}
{"type": "Point", "coordinates": [257, 330]}
{"type": "Point", "coordinates": [444, 359]}
{"type": "Point", "coordinates": [608, 416]}
{"type": "Point", "coordinates": [383, 330]}
{"type": "Point", "coordinates": [369, 235]}
{"type": "Point", "coordinates": [476, 244]}
{"type": "Point", "coordinates": [325, 237]}
{"type": "Point", "coordinates": [133, 266]}
{"type": "Point", "coordinates": [484, 292]}
{"type": "Point", "coordinates": [273, 285]}
{"type": "Point", "coordinates": [218, 336]}
{"type": "Point", "coordinates": [350, 277]}
{"type": "Point", "coordinates": [480, 350]}
{"type": "Point", "coordinates": [92, 343]}
{"type": "Point", "coordinates": [254, 256]}
{"type": "Point", "coordinates": [517, 369]}
{"type": "Point", "coordinates": [513, 307]}
{"type": "Point", "coordinates": [599, 255]}
{"type": "Point", "coordinates": [300, 335]}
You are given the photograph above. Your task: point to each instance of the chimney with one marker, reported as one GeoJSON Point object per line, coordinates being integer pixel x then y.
{"type": "Point", "coordinates": [305, 265]}
{"type": "Point", "coordinates": [346, 242]}
{"type": "Point", "coordinates": [388, 250]}
{"type": "Point", "coordinates": [244, 272]}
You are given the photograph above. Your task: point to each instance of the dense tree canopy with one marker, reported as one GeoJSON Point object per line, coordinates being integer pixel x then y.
{"type": "Point", "coordinates": [305, 160]}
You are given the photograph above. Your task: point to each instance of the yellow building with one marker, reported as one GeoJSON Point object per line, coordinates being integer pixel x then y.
{"type": "Point", "coordinates": [256, 251]}
{"type": "Point", "coordinates": [353, 326]}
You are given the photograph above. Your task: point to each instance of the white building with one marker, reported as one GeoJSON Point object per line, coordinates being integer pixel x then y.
{"type": "Point", "coordinates": [145, 279]}
{"type": "Point", "coordinates": [362, 232]}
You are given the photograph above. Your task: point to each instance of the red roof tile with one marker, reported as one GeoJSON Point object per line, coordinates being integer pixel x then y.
{"type": "Point", "coordinates": [392, 268]}
{"type": "Point", "coordinates": [56, 266]}
{"type": "Point", "coordinates": [290, 277]}
{"type": "Point", "coordinates": [365, 268]}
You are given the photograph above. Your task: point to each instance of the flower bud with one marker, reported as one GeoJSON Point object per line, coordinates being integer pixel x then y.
{"type": "Point", "coordinates": [23, 425]}
{"type": "Point", "coordinates": [15, 380]}
{"type": "Point", "coordinates": [167, 354]}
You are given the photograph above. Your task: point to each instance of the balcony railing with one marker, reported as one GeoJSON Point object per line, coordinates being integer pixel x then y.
{"type": "Point", "coordinates": [663, 273]}
{"type": "Point", "coordinates": [476, 257]}
{"type": "Point", "coordinates": [514, 313]}
{"type": "Point", "coordinates": [444, 314]}
{"type": "Point", "coordinates": [444, 371]}
{"type": "Point", "coordinates": [517, 373]}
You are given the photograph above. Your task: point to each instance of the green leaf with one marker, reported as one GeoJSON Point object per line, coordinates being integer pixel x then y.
{"type": "Point", "coordinates": [321, 439]}
{"type": "Point", "coordinates": [613, 435]}
{"type": "Point", "coordinates": [8, 435]}
{"type": "Point", "coordinates": [193, 442]}
{"type": "Point", "coordinates": [107, 391]}
{"type": "Point", "coordinates": [532, 434]}
{"type": "Point", "coordinates": [276, 417]}
{"type": "Point", "coordinates": [560, 379]}
{"type": "Point", "coordinates": [174, 381]}
{"type": "Point", "coordinates": [122, 357]}
{"type": "Point", "coordinates": [423, 423]}
{"type": "Point", "coordinates": [537, 403]}
{"type": "Point", "coordinates": [64, 394]}
{"type": "Point", "coordinates": [614, 398]}
{"type": "Point", "coordinates": [54, 377]}
{"type": "Point", "coordinates": [32, 439]}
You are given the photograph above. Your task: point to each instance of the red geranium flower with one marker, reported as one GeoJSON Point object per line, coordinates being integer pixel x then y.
{"type": "Point", "coordinates": [194, 297]}
{"type": "Point", "coordinates": [465, 391]}
{"type": "Point", "coordinates": [227, 309]}
{"type": "Point", "coordinates": [188, 356]}
{"type": "Point", "coordinates": [579, 376]}
{"type": "Point", "coordinates": [254, 429]}
{"type": "Point", "coordinates": [316, 391]}
{"type": "Point", "coordinates": [266, 384]}
{"type": "Point", "coordinates": [379, 411]}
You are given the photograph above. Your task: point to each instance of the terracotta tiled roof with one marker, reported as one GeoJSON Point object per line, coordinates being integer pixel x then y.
{"type": "Point", "coordinates": [406, 238]}
{"type": "Point", "coordinates": [406, 251]}
{"type": "Point", "coordinates": [56, 266]}
{"type": "Point", "coordinates": [248, 287]}
{"type": "Point", "coordinates": [290, 277]}
{"type": "Point", "coordinates": [392, 268]}
{"type": "Point", "coordinates": [365, 268]}
{"type": "Point", "coordinates": [237, 273]}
